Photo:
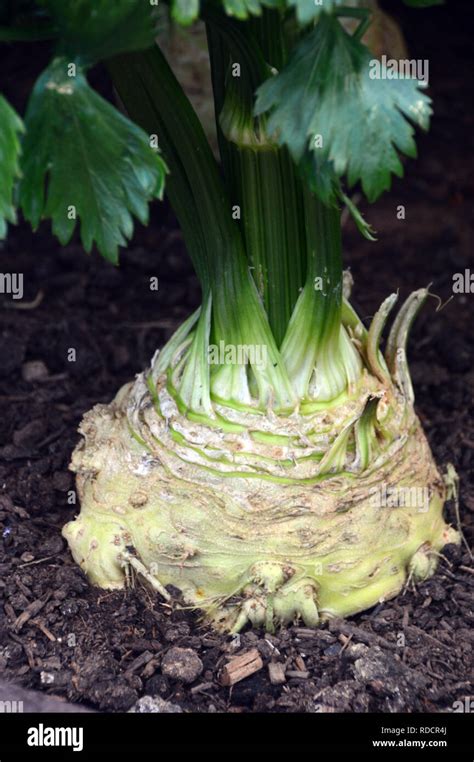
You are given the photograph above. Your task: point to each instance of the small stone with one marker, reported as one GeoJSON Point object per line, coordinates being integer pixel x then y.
{"type": "Point", "coordinates": [356, 651]}
{"type": "Point", "coordinates": [154, 705]}
{"type": "Point", "coordinates": [181, 664]}
{"type": "Point", "coordinates": [374, 666]}
{"type": "Point", "coordinates": [34, 370]}
{"type": "Point", "coordinates": [69, 607]}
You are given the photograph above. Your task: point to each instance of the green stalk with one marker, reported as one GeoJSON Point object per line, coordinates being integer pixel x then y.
{"type": "Point", "coordinates": [309, 323]}
{"type": "Point", "coordinates": [285, 230]}
{"type": "Point", "coordinates": [155, 100]}
{"type": "Point", "coordinates": [289, 235]}
{"type": "Point", "coordinates": [271, 201]}
{"type": "Point", "coordinates": [260, 176]}
{"type": "Point", "coordinates": [270, 34]}
{"type": "Point", "coordinates": [316, 351]}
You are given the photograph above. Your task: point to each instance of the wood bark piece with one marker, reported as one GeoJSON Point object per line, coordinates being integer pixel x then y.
{"type": "Point", "coordinates": [276, 672]}
{"type": "Point", "coordinates": [139, 662]}
{"type": "Point", "coordinates": [241, 667]}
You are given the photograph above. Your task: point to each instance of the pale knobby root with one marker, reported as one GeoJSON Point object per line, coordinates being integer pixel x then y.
{"type": "Point", "coordinates": [262, 518]}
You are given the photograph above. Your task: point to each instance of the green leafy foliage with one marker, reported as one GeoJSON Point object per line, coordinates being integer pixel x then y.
{"type": "Point", "coordinates": [187, 11]}
{"type": "Point", "coordinates": [82, 159]}
{"type": "Point", "coordinates": [93, 30]}
{"type": "Point", "coordinates": [242, 9]}
{"type": "Point", "coordinates": [10, 128]}
{"type": "Point", "coordinates": [327, 105]}
{"type": "Point", "coordinates": [308, 10]}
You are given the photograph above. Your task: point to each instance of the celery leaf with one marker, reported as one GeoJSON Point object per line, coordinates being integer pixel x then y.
{"type": "Point", "coordinates": [82, 160]}
{"type": "Point", "coordinates": [334, 102]}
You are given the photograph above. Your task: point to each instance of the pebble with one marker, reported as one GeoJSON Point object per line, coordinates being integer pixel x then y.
{"type": "Point", "coordinates": [373, 666]}
{"type": "Point", "coordinates": [69, 607]}
{"type": "Point", "coordinates": [34, 370]}
{"type": "Point", "coordinates": [154, 705]}
{"type": "Point", "coordinates": [46, 678]}
{"type": "Point", "coordinates": [356, 651]}
{"type": "Point", "coordinates": [182, 664]}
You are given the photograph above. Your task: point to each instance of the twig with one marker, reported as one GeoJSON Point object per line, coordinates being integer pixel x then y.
{"type": "Point", "coordinates": [43, 629]}
{"type": "Point", "coordinates": [33, 563]}
{"type": "Point", "coordinates": [31, 610]}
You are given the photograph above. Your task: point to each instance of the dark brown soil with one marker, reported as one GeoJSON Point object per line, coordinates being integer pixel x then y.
{"type": "Point", "coordinates": [105, 650]}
